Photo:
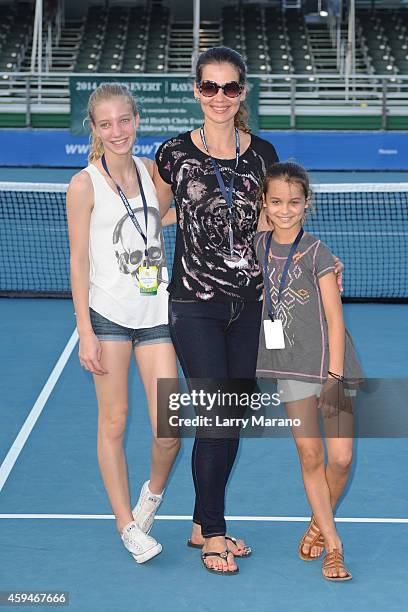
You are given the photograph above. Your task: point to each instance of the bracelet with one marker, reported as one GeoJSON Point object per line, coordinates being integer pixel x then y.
{"type": "Point", "coordinates": [336, 376]}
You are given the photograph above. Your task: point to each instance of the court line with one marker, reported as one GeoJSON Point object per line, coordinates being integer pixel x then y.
{"type": "Point", "coordinates": [35, 412]}
{"type": "Point", "coordinates": [168, 517]}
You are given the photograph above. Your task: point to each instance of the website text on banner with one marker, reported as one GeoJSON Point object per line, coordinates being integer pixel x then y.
{"type": "Point", "coordinates": [57, 148]}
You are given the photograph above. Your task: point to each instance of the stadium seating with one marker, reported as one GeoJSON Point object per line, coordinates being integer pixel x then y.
{"type": "Point", "coordinates": [16, 23]}
{"type": "Point", "coordinates": [146, 38]}
{"type": "Point", "coordinates": [376, 32]}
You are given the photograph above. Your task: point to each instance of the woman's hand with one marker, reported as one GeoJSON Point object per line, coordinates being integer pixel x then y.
{"type": "Point", "coordinates": [90, 353]}
{"type": "Point", "coordinates": [338, 270]}
{"type": "Point", "coordinates": [263, 223]}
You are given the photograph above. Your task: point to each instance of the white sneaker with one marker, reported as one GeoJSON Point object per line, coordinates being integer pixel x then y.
{"type": "Point", "coordinates": [146, 508]}
{"type": "Point", "coordinates": [143, 547]}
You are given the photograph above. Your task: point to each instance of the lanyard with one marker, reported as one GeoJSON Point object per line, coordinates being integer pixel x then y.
{"type": "Point", "coordinates": [127, 205]}
{"type": "Point", "coordinates": [227, 194]}
{"type": "Point", "coordinates": [293, 248]}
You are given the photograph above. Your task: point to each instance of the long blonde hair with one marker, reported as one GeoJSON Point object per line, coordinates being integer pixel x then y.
{"type": "Point", "coordinates": [105, 91]}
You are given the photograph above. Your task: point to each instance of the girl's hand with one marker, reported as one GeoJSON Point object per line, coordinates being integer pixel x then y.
{"type": "Point", "coordinates": [332, 398]}
{"type": "Point", "coordinates": [338, 269]}
{"type": "Point", "coordinates": [90, 353]}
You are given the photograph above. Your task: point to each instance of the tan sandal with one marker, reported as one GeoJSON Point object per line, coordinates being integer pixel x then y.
{"type": "Point", "coordinates": [335, 560]}
{"type": "Point", "coordinates": [317, 539]}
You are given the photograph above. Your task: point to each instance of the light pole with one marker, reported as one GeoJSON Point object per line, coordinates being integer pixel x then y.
{"type": "Point", "coordinates": [196, 35]}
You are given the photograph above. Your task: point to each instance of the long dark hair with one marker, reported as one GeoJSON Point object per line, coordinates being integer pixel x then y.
{"type": "Point", "coordinates": [225, 55]}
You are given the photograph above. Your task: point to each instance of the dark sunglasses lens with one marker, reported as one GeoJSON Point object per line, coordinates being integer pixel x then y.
{"type": "Point", "coordinates": [209, 88]}
{"type": "Point", "coordinates": [232, 89]}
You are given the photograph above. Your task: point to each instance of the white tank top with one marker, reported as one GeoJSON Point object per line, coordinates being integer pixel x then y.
{"type": "Point", "coordinates": [116, 250]}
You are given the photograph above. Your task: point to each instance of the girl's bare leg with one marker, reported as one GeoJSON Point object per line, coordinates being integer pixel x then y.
{"type": "Point", "coordinates": [311, 455]}
{"type": "Point", "coordinates": [156, 361]}
{"type": "Point", "coordinates": [339, 454]}
{"type": "Point", "coordinates": [112, 396]}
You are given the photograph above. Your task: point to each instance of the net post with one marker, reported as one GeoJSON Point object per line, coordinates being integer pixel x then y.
{"type": "Point", "coordinates": [384, 105]}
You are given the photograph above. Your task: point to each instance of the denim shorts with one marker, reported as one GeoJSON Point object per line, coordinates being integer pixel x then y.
{"type": "Point", "coordinates": [105, 329]}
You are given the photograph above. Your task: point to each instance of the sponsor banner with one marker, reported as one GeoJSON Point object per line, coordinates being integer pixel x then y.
{"type": "Point", "coordinates": [315, 150]}
{"type": "Point", "coordinates": [166, 104]}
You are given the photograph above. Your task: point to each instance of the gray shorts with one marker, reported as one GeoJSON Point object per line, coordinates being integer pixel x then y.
{"type": "Point", "coordinates": [105, 329]}
{"type": "Point", "coordinates": [295, 390]}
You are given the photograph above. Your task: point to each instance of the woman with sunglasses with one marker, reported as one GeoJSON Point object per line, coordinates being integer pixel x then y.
{"type": "Point", "coordinates": [215, 291]}
{"type": "Point", "coordinates": [214, 174]}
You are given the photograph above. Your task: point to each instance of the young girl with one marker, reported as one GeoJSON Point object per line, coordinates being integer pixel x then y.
{"type": "Point", "coordinates": [303, 344]}
{"type": "Point", "coordinates": [117, 267]}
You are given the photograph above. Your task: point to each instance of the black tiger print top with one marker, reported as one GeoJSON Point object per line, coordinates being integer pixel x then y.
{"type": "Point", "coordinates": [203, 266]}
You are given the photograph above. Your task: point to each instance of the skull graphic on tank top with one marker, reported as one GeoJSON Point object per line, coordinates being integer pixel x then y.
{"type": "Point", "coordinates": [129, 245]}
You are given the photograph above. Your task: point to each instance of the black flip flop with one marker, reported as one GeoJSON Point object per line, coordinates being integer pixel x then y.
{"type": "Point", "coordinates": [222, 555]}
{"type": "Point", "coordinates": [247, 549]}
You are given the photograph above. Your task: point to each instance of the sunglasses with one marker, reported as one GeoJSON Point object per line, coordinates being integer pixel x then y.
{"type": "Point", "coordinates": [209, 89]}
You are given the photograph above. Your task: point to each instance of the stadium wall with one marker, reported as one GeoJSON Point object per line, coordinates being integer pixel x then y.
{"type": "Point", "coordinates": [317, 150]}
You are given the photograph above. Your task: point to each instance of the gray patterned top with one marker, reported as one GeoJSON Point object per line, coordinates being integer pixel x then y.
{"type": "Point", "coordinates": [306, 353]}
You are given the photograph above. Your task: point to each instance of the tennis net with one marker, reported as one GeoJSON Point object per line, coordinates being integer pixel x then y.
{"type": "Point", "coordinates": [366, 225]}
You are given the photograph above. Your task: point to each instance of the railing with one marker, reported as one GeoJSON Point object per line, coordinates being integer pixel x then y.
{"type": "Point", "coordinates": [280, 94]}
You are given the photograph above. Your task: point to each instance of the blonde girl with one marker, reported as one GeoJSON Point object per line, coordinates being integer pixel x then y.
{"type": "Point", "coordinates": [117, 271]}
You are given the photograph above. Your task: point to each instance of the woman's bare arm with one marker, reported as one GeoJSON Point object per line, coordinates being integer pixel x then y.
{"type": "Point", "coordinates": [170, 217]}
{"type": "Point", "coordinates": [164, 192]}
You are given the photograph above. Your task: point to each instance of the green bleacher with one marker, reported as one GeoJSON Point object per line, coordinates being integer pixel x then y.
{"type": "Point", "coordinates": [148, 38]}
{"type": "Point", "coordinates": [137, 39]}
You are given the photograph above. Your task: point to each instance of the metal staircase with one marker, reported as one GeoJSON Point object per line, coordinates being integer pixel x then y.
{"type": "Point", "coordinates": [181, 43]}
{"type": "Point", "coordinates": [325, 55]}
{"type": "Point", "coordinates": [59, 53]}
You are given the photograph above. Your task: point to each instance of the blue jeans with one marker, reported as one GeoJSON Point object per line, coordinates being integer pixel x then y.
{"type": "Point", "coordinates": [214, 340]}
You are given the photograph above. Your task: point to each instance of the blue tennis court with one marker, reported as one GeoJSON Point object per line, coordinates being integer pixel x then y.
{"type": "Point", "coordinates": [56, 527]}
{"type": "Point", "coordinates": [328, 87]}
{"type": "Point", "coordinates": [56, 524]}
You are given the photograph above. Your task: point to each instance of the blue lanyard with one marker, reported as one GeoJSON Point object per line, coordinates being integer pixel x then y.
{"type": "Point", "coordinates": [127, 205]}
{"type": "Point", "coordinates": [271, 312]}
{"type": "Point", "coordinates": [227, 194]}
